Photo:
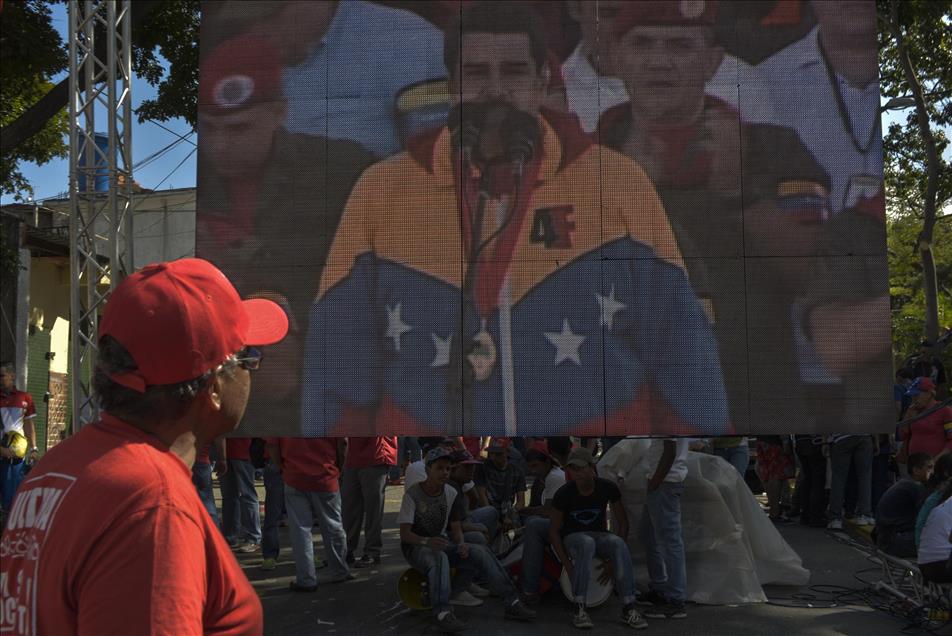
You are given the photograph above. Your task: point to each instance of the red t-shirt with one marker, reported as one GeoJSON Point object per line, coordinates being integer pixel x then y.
{"type": "Point", "coordinates": [309, 463]}
{"type": "Point", "coordinates": [204, 456]}
{"type": "Point", "coordinates": [107, 536]}
{"type": "Point", "coordinates": [237, 448]}
{"type": "Point", "coordinates": [363, 452]}
{"type": "Point", "coordinates": [932, 434]}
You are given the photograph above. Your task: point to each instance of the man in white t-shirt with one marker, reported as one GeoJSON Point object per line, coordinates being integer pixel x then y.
{"type": "Point", "coordinates": [665, 469]}
{"type": "Point", "coordinates": [935, 545]}
{"type": "Point", "coordinates": [431, 539]}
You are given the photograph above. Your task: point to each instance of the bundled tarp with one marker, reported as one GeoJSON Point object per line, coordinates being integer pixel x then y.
{"type": "Point", "coordinates": [731, 548]}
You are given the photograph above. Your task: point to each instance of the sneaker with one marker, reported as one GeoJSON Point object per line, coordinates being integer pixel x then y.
{"type": "Point", "coordinates": [864, 520]}
{"type": "Point", "coordinates": [449, 624]}
{"type": "Point", "coordinates": [633, 619]}
{"type": "Point", "coordinates": [531, 599]}
{"type": "Point", "coordinates": [477, 590]}
{"type": "Point", "coordinates": [297, 587]}
{"type": "Point", "coordinates": [248, 548]}
{"type": "Point", "coordinates": [581, 620]}
{"type": "Point", "coordinates": [466, 599]}
{"type": "Point", "coordinates": [367, 561]}
{"type": "Point", "coordinates": [269, 564]}
{"type": "Point", "coordinates": [338, 578]}
{"type": "Point", "coordinates": [668, 610]}
{"type": "Point", "coordinates": [519, 612]}
{"type": "Point", "coordinates": [649, 599]}
{"type": "Point", "coordinates": [836, 524]}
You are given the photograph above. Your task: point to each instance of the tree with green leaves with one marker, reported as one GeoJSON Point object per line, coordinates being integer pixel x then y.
{"type": "Point", "coordinates": [915, 42]}
{"type": "Point", "coordinates": [33, 112]}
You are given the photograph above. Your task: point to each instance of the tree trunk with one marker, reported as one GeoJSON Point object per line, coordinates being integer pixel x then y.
{"type": "Point", "coordinates": [34, 119]}
{"type": "Point", "coordinates": [929, 281]}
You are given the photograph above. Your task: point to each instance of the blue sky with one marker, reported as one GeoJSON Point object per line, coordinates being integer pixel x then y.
{"type": "Point", "coordinates": [176, 168]}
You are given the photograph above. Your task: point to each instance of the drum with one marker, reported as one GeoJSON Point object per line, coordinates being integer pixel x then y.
{"type": "Point", "coordinates": [413, 590]}
{"type": "Point", "coordinates": [597, 593]}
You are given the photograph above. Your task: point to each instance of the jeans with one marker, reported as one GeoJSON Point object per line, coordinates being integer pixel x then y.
{"type": "Point", "coordinates": [859, 451]}
{"type": "Point", "coordinates": [362, 491]}
{"type": "Point", "coordinates": [436, 565]}
{"type": "Point", "coordinates": [664, 543]}
{"type": "Point", "coordinates": [240, 517]}
{"type": "Point", "coordinates": [583, 547]}
{"type": "Point", "coordinates": [486, 516]}
{"type": "Point", "coordinates": [738, 457]}
{"type": "Point", "coordinates": [11, 474]}
{"type": "Point", "coordinates": [811, 484]}
{"type": "Point", "coordinates": [273, 507]}
{"type": "Point", "coordinates": [304, 508]}
{"type": "Point", "coordinates": [202, 478]}
{"type": "Point", "coordinates": [535, 538]}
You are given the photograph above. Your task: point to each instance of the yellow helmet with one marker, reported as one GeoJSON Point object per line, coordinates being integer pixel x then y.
{"type": "Point", "coordinates": [15, 441]}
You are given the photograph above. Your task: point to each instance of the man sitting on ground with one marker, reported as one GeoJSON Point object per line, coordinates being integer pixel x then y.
{"type": "Point", "coordinates": [535, 537]}
{"type": "Point", "coordinates": [579, 533]}
{"type": "Point", "coordinates": [896, 513]}
{"type": "Point", "coordinates": [500, 483]}
{"type": "Point", "coordinates": [429, 518]}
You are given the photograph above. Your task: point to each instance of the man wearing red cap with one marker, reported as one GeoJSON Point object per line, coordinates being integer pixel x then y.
{"type": "Point", "coordinates": [107, 535]}
{"type": "Point", "coordinates": [730, 190]}
{"type": "Point", "coordinates": [268, 204]}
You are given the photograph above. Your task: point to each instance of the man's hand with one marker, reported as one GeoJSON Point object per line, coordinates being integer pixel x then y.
{"type": "Point", "coordinates": [32, 456]}
{"type": "Point", "coordinates": [6, 453]}
{"type": "Point", "coordinates": [654, 483]}
{"type": "Point", "coordinates": [437, 543]}
{"type": "Point", "coordinates": [464, 551]}
{"type": "Point", "coordinates": [607, 572]}
{"type": "Point", "coordinates": [221, 468]}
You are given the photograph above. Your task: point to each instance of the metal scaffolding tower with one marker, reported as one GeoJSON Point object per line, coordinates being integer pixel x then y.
{"type": "Point", "coordinates": [100, 229]}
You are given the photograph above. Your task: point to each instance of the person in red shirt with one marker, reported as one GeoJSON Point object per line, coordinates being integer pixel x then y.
{"type": "Point", "coordinates": [17, 412]}
{"type": "Point", "coordinates": [310, 467]}
{"type": "Point", "coordinates": [362, 490]}
{"type": "Point", "coordinates": [107, 534]}
{"type": "Point", "coordinates": [931, 434]}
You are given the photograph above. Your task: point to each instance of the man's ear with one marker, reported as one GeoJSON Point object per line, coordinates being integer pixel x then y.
{"type": "Point", "coordinates": [214, 391]}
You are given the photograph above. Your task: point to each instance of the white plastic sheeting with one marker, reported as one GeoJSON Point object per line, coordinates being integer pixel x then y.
{"type": "Point", "coordinates": [732, 549]}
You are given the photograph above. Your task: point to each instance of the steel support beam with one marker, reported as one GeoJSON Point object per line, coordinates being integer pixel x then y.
{"type": "Point", "coordinates": [100, 229]}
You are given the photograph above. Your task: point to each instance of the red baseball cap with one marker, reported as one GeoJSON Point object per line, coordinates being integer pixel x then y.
{"type": "Point", "coordinates": [921, 385]}
{"type": "Point", "coordinates": [665, 13]}
{"type": "Point", "coordinates": [182, 318]}
{"type": "Point", "coordinates": [238, 73]}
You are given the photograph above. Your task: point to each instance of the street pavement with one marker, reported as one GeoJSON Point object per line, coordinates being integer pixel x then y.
{"type": "Point", "coordinates": [369, 604]}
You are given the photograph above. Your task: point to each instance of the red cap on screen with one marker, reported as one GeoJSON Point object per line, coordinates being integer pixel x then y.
{"type": "Point", "coordinates": [182, 318]}
{"type": "Point", "coordinates": [238, 73]}
{"type": "Point", "coordinates": [665, 13]}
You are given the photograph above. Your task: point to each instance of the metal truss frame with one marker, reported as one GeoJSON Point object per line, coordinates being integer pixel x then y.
{"type": "Point", "coordinates": [100, 228]}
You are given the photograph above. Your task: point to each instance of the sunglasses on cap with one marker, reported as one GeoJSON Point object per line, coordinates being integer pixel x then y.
{"type": "Point", "coordinates": [249, 358]}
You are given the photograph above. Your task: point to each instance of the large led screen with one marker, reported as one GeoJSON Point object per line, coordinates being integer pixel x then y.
{"type": "Point", "coordinates": [552, 218]}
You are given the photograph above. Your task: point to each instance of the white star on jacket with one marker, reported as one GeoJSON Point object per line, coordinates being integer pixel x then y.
{"type": "Point", "coordinates": [608, 307]}
{"type": "Point", "coordinates": [395, 325]}
{"type": "Point", "coordinates": [566, 344]}
{"type": "Point", "coordinates": [442, 357]}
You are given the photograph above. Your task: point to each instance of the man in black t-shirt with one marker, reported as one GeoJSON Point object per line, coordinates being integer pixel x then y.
{"type": "Point", "coordinates": [579, 533]}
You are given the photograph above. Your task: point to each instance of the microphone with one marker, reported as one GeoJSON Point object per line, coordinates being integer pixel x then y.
{"type": "Point", "coordinates": [522, 134]}
{"type": "Point", "coordinates": [465, 122]}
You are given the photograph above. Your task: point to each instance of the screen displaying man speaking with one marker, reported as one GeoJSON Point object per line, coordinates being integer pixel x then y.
{"type": "Point", "coordinates": [586, 218]}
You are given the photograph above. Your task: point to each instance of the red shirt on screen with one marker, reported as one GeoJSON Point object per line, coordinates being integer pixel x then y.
{"type": "Point", "coordinates": [932, 434]}
{"type": "Point", "coordinates": [309, 463]}
{"type": "Point", "coordinates": [237, 448]}
{"type": "Point", "coordinates": [363, 452]}
{"type": "Point", "coordinates": [108, 536]}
